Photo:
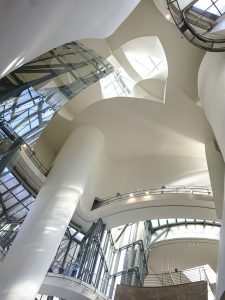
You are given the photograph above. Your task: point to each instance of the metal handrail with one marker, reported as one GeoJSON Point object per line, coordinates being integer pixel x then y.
{"type": "Point", "coordinates": [162, 279]}
{"type": "Point", "coordinates": [178, 277]}
{"type": "Point", "coordinates": [192, 272]}
{"type": "Point", "coordinates": [201, 191]}
{"type": "Point", "coordinates": [36, 161]}
{"type": "Point", "coordinates": [209, 283]}
{"type": "Point", "coordinates": [108, 289]}
{"type": "Point", "coordinates": [102, 282]}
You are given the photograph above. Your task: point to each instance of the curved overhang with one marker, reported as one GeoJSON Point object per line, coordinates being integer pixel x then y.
{"type": "Point", "coordinates": [34, 22]}
{"type": "Point", "coordinates": [144, 61]}
{"type": "Point", "coordinates": [146, 20]}
{"type": "Point", "coordinates": [154, 140]}
{"type": "Point", "coordinates": [161, 129]}
{"type": "Point", "coordinates": [148, 207]}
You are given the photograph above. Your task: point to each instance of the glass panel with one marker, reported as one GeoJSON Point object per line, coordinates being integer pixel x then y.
{"type": "Point", "coordinates": [203, 4]}
{"type": "Point", "coordinates": [79, 236]}
{"type": "Point", "coordinates": [211, 9]}
{"type": "Point", "coordinates": [162, 222]}
{"type": "Point", "coordinates": [72, 231]}
{"type": "Point", "coordinates": [53, 79]}
{"type": "Point", "coordinates": [220, 5]}
{"type": "Point", "coordinates": [171, 221]}
{"type": "Point", "coordinates": [11, 183]}
{"type": "Point", "coordinates": [180, 220]}
{"type": "Point", "coordinates": [154, 223]}
{"type": "Point", "coordinates": [189, 220]}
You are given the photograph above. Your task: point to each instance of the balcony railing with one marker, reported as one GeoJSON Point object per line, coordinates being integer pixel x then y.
{"type": "Point", "coordinates": [36, 161]}
{"type": "Point", "coordinates": [180, 277]}
{"type": "Point", "coordinates": [105, 288]}
{"type": "Point", "coordinates": [203, 192]}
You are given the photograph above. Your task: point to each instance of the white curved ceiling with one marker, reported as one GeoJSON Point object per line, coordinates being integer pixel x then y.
{"type": "Point", "coordinates": [183, 254]}
{"type": "Point", "coordinates": [146, 20]}
{"type": "Point", "coordinates": [138, 128]}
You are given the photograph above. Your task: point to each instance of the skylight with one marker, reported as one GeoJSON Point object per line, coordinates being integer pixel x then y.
{"type": "Point", "coordinates": [211, 9]}
{"type": "Point", "coordinates": [145, 65]}
{"type": "Point", "coordinates": [146, 57]}
{"type": "Point", "coordinates": [116, 84]}
{"type": "Point", "coordinates": [185, 228]}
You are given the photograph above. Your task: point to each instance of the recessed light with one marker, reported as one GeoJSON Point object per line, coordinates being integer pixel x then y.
{"type": "Point", "coordinates": [147, 192]}
{"type": "Point", "coordinates": [131, 195]}
{"type": "Point", "coordinates": [167, 17]}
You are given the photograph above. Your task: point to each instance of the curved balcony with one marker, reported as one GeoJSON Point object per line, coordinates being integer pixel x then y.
{"type": "Point", "coordinates": [68, 287]}
{"type": "Point", "coordinates": [203, 192]}
{"type": "Point", "coordinates": [158, 203]}
{"type": "Point", "coordinates": [197, 22]}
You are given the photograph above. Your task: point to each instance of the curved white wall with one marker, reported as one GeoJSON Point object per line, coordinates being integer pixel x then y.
{"type": "Point", "coordinates": [211, 89]}
{"type": "Point", "coordinates": [29, 28]}
{"type": "Point", "coordinates": [151, 172]}
{"type": "Point", "coordinates": [212, 94]}
{"type": "Point", "coordinates": [146, 20]}
{"type": "Point", "coordinates": [143, 173]}
{"type": "Point", "coordinates": [183, 254]}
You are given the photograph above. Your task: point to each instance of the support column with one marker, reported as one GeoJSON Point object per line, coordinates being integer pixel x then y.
{"type": "Point", "coordinates": [26, 264]}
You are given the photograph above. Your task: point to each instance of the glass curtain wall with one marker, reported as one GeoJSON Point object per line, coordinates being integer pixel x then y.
{"type": "Point", "coordinates": [103, 261]}
{"type": "Point", "coordinates": [104, 258]}
{"type": "Point", "coordinates": [29, 97]}
{"type": "Point", "coordinates": [32, 94]}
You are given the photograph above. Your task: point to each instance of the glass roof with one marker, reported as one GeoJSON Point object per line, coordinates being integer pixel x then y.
{"type": "Point", "coordinates": [116, 84]}
{"type": "Point", "coordinates": [211, 9]}
{"type": "Point", "coordinates": [16, 200]}
{"type": "Point", "coordinates": [184, 228]}
{"type": "Point", "coordinates": [145, 65]}
{"type": "Point", "coordinates": [28, 114]}
{"type": "Point", "coordinates": [33, 93]}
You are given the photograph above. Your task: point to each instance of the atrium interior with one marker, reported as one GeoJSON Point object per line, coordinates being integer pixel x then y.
{"type": "Point", "coordinates": [112, 149]}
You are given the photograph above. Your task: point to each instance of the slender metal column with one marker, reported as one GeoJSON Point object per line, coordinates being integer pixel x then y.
{"type": "Point", "coordinates": [62, 267]}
